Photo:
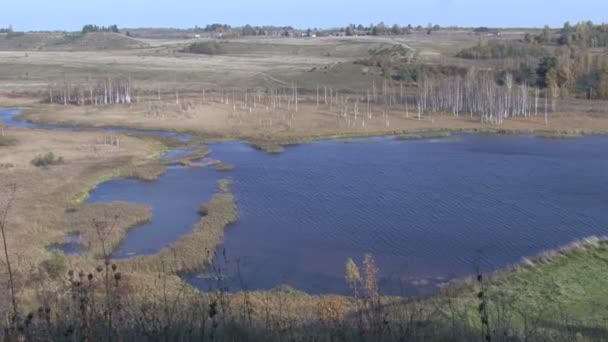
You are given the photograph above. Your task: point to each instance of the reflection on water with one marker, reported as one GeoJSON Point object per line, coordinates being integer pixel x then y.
{"type": "Point", "coordinates": [70, 247]}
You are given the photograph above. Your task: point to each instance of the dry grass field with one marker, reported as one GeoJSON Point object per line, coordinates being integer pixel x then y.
{"type": "Point", "coordinates": [245, 62]}
{"type": "Point", "coordinates": [45, 193]}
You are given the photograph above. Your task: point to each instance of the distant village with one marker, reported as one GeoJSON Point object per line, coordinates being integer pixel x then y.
{"type": "Point", "coordinates": [226, 31]}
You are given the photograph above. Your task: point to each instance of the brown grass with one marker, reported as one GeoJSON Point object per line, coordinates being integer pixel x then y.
{"type": "Point", "coordinates": [7, 141]}
{"type": "Point", "coordinates": [44, 195]}
{"type": "Point", "coordinates": [102, 226]}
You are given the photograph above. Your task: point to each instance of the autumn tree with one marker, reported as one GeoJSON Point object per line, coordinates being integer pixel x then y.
{"type": "Point", "coordinates": [396, 30]}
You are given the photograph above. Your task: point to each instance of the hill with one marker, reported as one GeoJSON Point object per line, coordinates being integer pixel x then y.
{"type": "Point", "coordinates": [59, 41]}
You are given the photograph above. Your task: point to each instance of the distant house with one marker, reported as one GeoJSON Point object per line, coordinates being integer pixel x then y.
{"type": "Point", "coordinates": [308, 34]}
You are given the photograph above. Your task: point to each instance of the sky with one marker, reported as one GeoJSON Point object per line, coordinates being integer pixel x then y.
{"type": "Point", "coordinates": [27, 15]}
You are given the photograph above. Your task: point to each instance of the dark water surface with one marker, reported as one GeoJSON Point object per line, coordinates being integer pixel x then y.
{"type": "Point", "coordinates": [428, 210]}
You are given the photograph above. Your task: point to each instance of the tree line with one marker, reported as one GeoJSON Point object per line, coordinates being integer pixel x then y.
{"type": "Point", "coordinates": [570, 71]}
{"type": "Point", "coordinates": [585, 34]}
{"type": "Point", "coordinates": [246, 30]}
{"type": "Point", "coordinates": [94, 28]}
{"type": "Point", "coordinates": [497, 49]}
{"type": "Point", "coordinates": [380, 29]}
{"type": "Point", "coordinates": [8, 29]}
{"type": "Point", "coordinates": [562, 61]}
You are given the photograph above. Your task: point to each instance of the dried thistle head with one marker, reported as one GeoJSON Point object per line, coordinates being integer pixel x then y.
{"type": "Point", "coordinates": [371, 276]}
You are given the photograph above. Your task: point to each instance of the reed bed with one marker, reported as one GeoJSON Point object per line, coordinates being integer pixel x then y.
{"type": "Point", "coordinates": [423, 135]}
{"type": "Point", "coordinates": [102, 227]}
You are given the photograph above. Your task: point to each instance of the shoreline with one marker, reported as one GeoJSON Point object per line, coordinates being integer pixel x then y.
{"type": "Point", "coordinates": [267, 142]}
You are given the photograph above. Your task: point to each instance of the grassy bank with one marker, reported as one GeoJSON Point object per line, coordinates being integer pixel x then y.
{"type": "Point", "coordinates": [559, 295]}
{"type": "Point", "coordinates": [423, 135]}
{"type": "Point", "coordinates": [559, 135]}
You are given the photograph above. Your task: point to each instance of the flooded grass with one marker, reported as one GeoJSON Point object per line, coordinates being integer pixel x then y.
{"type": "Point", "coordinates": [196, 250]}
{"type": "Point", "coordinates": [423, 135]}
{"type": "Point", "coordinates": [559, 135]}
{"type": "Point", "coordinates": [146, 172]}
{"type": "Point", "coordinates": [267, 146]}
{"type": "Point", "coordinates": [101, 227]}
{"type": "Point", "coordinates": [224, 167]}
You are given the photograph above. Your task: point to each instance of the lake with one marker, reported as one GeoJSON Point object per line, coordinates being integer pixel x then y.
{"type": "Point", "coordinates": [428, 210]}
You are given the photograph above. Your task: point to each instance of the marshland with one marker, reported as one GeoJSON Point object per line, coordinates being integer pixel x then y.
{"type": "Point", "coordinates": [365, 182]}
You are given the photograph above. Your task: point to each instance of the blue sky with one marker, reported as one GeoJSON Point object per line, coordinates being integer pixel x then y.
{"type": "Point", "coordinates": [73, 14]}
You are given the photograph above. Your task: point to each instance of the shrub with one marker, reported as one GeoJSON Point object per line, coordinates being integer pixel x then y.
{"type": "Point", "coordinates": [7, 141]}
{"type": "Point", "coordinates": [55, 266]}
{"type": "Point", "coordinates": [204, 48]}
{"type": "Point", "coordinates": [47, 160]}
{"type": "Point", "coordinates": [203, 210]}
{"type": "Point", "coordinates": [498, 49]}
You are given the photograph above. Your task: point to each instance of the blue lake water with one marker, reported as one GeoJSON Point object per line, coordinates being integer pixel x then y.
{"type": "Point", "coordinates": [428, 210]}
{"type": "Point", "coordinates": [174, 198]}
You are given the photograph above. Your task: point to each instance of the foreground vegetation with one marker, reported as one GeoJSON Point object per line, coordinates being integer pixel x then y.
{"type": "Point", "coordinates": [538, 300]}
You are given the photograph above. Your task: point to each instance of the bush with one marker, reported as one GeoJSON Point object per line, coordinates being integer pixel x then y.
{"type": "Point", "coordinates": [55, 266]}
{"type": "Point", "coordinates": [7, 141]}
{"type": "Point", "coordinates": [203, 210]}
{"type": "Point", "coordinates": [47, 160]}
{"type": "Point", "coordinates": [497, 49]}
{"type": "Point", "coordinates": [204, 48]}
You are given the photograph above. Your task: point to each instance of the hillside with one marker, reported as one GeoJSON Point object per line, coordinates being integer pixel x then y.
{"type": "Point", "coordinates": [58, 41]}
